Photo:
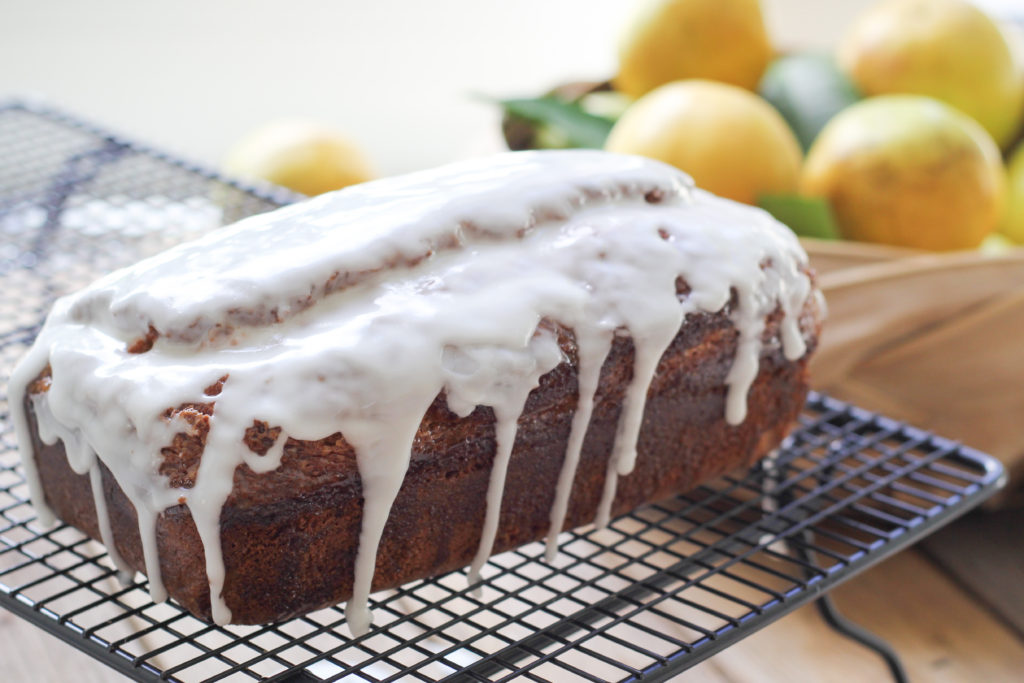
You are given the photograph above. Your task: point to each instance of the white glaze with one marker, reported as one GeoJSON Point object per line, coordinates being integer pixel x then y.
{"type": "Point", "coordinates": [99, 501]}
{"type": "Point", "coordinates": [447, 275]}
{"type": "Point", "coordinates": [592, 350]}
{"type": "Point", "coordinates": [542, 355]}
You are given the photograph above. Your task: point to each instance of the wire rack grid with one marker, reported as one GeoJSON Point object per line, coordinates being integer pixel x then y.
{"type": "Point", "coordinates": [656, 592]}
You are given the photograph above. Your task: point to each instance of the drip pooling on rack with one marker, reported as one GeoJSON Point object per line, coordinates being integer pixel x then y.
{"type": "Point", "coordinates": [353, 311]}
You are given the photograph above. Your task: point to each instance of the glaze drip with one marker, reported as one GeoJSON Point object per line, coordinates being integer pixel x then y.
{"type": "Point", "coordinates": [592, 349]}
{"type": "Point", "coordinates": [352, 312]}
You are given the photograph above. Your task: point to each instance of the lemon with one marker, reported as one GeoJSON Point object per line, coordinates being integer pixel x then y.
{"type": "Point", "coordinates": [670, 40]}
{"type": "Point", "coordinates": [732, 142]}
{"type": "Point", "coordinates": [1012, 225]}
{"type": "Point", "coordinates": [301, 155]}
{"type": "Point", "coordinates": [947, 49]}
{"type": "Point", "coordinates": [908, 170]}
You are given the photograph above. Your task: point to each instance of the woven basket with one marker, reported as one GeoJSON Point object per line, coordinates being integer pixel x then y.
{"type": "Point", "coordinates": [936, 340]}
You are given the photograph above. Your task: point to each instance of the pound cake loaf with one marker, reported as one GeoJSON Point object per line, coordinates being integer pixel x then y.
{"type": "Point", "coordinates": [401, 378]}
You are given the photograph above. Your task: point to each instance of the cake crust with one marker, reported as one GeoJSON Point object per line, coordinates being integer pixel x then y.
{"type": "Point", "coordinates": [290, 536]}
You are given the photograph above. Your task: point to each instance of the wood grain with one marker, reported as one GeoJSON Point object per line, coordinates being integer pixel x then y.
{"type": "Point", "coordinates": [984, 553]}
{"type": "Point", "coordinates": [939, 632]}
{"type": "Point", "coordinates": [29, 654]}
{"type": "Point", "coordinates": [929, 338]}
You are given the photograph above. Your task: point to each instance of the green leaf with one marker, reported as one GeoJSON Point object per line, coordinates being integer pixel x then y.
{"type": "Point", "coordinates": [806, 216]}
{"type": "Point", "coordinates": [567, 121]}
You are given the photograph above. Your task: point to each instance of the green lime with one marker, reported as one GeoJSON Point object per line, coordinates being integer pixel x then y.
{"type": "Point", "coordinates": [808, 90]}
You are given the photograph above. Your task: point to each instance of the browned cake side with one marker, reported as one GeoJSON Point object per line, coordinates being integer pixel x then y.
{"type": "Point", "coordinates": [290, 536]}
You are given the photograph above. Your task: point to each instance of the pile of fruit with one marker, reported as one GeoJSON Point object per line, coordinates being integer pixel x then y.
{"type": "Point", "coordinates": [897, 138]}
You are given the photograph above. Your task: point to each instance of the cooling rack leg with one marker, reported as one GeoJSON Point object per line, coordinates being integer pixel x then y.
{"type": "Point", "coordinates": [800, 547]}
{"type": "Point", "coordinates": [301, 677]}
{"type": "Point", "coordinates": [847, 628]}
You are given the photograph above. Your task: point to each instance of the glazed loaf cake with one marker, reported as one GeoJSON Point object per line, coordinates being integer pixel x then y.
{"type": "Point", "coordinates": [401, 378]}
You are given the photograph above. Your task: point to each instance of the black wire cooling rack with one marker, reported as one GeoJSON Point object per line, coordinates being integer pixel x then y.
{"type": "Point", "coordinates": [658, 591]}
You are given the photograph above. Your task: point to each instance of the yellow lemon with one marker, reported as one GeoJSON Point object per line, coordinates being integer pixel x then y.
{"type": "Point", "coordinates": [946, 49]}
{"type": "Point", "coordinates": [908, 170]}
{"type": "Point", "coordinates": [301, 155]}
{"type": "Point", "coordinates": [670, 40]}
{"type": "Point", "coordinates": [732, 142]}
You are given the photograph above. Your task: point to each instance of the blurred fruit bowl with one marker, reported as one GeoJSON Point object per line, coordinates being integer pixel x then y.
{"type": "Point", "coordinates": [933, 339]}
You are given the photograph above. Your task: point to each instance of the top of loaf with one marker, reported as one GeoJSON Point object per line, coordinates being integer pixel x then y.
{"type": "Point", "coordinates": [352, 312]}
{"type": "Point", "coordinates": [264, 269]}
